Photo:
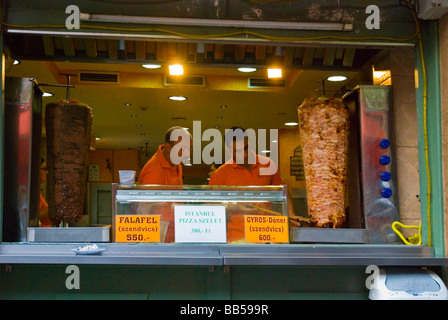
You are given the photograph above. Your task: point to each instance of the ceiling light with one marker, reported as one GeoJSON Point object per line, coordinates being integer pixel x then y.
{"type": "Point", "coordinates": [133, 116]}
{"type": "Point", "coordinates": [337, 78]}
{"type": "Point", "coordinates": [127, 104]}
{"type": "Point", "coordinates": [274, 73]}
{"type": "Point", "coordinates": [176, 70]}
{"type": "Point", "coordinates": [16, 62]}
{"type": "Point", "coordinates": [151, 66]}
{"type": "Point", "coordinates": [47, 94]}
{"type": "Point", "coordinates": [177, 98]}
{"type": "Point", "coordinates": [290, 123]}
{"type": "Point", "coordinates": [223, 107]}
{"type": "Point", "coordinates": [97, 139]}
{"type": "Point", "coordinates": [265, 151]}
{"type": "Point", "coordinates": [247, 69]}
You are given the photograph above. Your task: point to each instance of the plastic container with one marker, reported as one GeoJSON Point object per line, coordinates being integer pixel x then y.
{"type": "Point", "coordinates": [408, 284]}
{"type": "Point", "coordinates": [127, 176]}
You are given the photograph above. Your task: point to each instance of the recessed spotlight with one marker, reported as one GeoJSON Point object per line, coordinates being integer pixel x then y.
{"type": "Point", "coordinates": [177, 98]}
{"type": "Point", "coordinates": [176, 70]}
{"type": "Point", "coordinates": [337, 78]}
{"type": "Point", "coordinates": [219, 118]}
{"type": "Point", "coordinates": [97, 138]}
{"type": "Point", "coordinates": [223, 107]}
{"type": "Point", "coordinates": [274, 73]}
{"type": "Point", "coordinates": [47, 94]}
{"type": "Point", "coordinates": [133, 116]}
{"type": "Point", "coordinates": [151, 66]}
{"type": "Point", "coordinates": [291, 124]}
{"type": "Point", "coordinates": [16, 62]}
{"type": "Point", "coordinates": [127, 104]}
{"type": "Point", "coordinates": [138, 125]}
{"type": "Point", "coordinates": [247, 69]}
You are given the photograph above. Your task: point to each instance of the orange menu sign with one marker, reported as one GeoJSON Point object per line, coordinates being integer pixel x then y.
{"type": "Point", "coordinates": [137, 228]}
{"type": "Point", "coordinates": [266, 229]}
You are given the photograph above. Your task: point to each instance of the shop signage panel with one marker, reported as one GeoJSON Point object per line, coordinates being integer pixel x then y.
{"type": "Point", "coordinates": [266, 229]}
{"type": "Point", "coordinates": [137, 228]}
{"type": "Point", "coordinates": [200, 223]}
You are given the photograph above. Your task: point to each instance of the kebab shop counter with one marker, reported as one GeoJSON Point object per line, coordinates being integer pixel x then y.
{"type": "Point", "coordinates": [200, 214]}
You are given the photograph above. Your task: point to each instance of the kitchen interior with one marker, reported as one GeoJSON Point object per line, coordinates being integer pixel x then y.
{"type": "Point", "coordinates": [128, 86]}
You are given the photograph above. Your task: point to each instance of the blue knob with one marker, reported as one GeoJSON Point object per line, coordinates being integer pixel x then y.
{"type": "Point", "coordinates": [384, 160]}
{"type": "Point", "coordinates": [386, 176]}
{"type": "Point", "coordinates": [386, 193]}
{"type": "Point", "coordinates": [384, 144]}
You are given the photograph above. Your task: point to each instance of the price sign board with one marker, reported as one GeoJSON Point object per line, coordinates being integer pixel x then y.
{"type": "Point", "coordinates": [137, 228]}
{"type": "Point", "coordinates": [266, 229]}
{"type": "Point", "coordinates": [200, 223]}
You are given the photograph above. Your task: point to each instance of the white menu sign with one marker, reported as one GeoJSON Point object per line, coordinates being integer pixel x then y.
{"type": "Point", "coordinates": [199, 223]}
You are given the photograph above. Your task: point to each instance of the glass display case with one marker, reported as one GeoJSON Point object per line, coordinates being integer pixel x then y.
{"type": "Point", "coordinates": [199, 214]}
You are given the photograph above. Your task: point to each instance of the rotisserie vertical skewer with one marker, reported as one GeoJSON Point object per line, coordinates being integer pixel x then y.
{"type": "Point", "coordinates": [324, 135]}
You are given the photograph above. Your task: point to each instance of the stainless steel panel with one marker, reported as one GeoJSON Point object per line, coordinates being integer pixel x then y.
{"type": "Point", "coordinates": [72, 234]}
{"type": "Point", "coordinates": [327, 235]}
{"type": "Point", "coordinates": [380, 198]}
{"type": "Point", "coordinates": [22, 136]}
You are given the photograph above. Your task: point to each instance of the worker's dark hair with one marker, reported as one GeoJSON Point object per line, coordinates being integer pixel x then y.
{"type": "Point", "coordinates": [234, 134]}
{"type": "Point", "coordinates": [169, 131]}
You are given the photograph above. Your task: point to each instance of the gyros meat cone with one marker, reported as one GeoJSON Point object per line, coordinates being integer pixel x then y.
{"type": "Point", "coordinates": [324, 135]}
{"type": "Point", "coordinates": [68, 128]}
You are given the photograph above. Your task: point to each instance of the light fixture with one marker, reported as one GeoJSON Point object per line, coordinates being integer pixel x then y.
{"type": "Point", "coordinates": [151, 66]}
{"type": "Point", "coordinates": [97, 138]}
{"type": "Point", "coordinates": [127, 104]}
{"type": "Point", "coordinates": [247, 69]}
{"type": "Point", "coordinates": [16, 62]}
{"type": "Point", "coordinates": [337, 78]}
{"type": "Point", "coordinates": [133, 116]}
{"type": "Point", "coordinates": [176, 70]}
{"type": "Point", "coordinates": [290, 124]}
{"type": "Point", "coordinates": [47, 94]}
{"type": "Point", "coordinates": [216, 22]}
{"type": "Point", "coordinates": [177, 98]}
{"type": "Point", "coordinates": [274, 73]}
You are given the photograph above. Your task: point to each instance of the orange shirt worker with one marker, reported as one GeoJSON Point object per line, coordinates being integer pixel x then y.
{"type": "Point", "coordinates": [243, 169]}
{"type": "Point", "coordinates": [164, 168]}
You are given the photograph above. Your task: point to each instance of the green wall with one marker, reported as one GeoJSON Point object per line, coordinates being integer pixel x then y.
{"type": "Point", "coordinates": [176, 282]}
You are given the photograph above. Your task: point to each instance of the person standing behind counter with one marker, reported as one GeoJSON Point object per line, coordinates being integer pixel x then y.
{"type": "Point", "coordinates": [165, 168]}
{"type": "Point", "coordinates": [243, 169]}
{"type": "Point", "coordinates": [161, 169]}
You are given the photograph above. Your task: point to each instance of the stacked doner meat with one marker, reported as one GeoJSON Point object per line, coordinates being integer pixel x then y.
{"type": "Point", "coordinates": [68, 127]}
{"type": "Point", "coordinates": [324, 134]}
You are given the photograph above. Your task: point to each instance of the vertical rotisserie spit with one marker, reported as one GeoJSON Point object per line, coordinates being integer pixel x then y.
{"type": "Point", "coordinates": [324, 134]}
{"type": "Point", "coordinates": [68, 127]}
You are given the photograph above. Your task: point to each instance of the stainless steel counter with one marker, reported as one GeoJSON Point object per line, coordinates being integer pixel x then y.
{"type": "Point", "coordinates": [217, 255]}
